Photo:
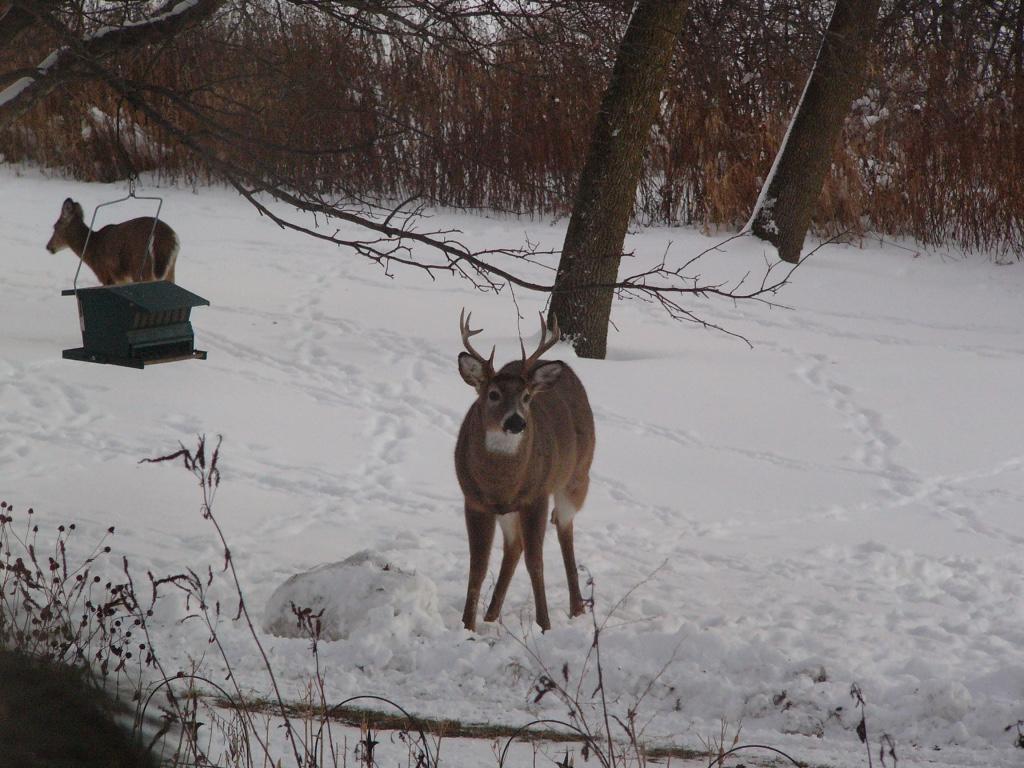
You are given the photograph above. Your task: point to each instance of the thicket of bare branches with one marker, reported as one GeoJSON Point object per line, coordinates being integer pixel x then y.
{"type": "Point", "coordinates": [238, 91]}
{"type": "Point", "coordinates": [460, 104]}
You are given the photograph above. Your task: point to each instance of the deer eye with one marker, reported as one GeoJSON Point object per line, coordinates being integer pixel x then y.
{"type": "Point", "coordinates": [526, 397]}
{"type": "Point", "coordinates": [493, 396]}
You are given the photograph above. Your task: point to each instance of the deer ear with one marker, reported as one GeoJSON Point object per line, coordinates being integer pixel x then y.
{"type": "Point", "coordinates": [546, 374]}
{"type": "Point", "coordinates": [472, 371]}
{"type": "Point", "coordinates": [68, 208]}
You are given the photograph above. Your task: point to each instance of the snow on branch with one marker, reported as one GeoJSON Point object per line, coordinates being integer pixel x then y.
{"type": "Point", "coordinates": [65, 61]}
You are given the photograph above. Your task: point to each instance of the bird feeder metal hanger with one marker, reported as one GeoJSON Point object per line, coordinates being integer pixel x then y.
{"type": "Point", "coordinates": [132, 177]}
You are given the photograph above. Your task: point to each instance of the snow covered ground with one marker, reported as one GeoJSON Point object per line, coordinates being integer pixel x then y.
{"type": "Point", "coordinates": [841, 504]}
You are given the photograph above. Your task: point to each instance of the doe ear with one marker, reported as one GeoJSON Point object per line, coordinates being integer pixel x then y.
{"type": "Point", "coordinates": [68, 209]}
{"type": "Point", "coordinates": [546, 374]}
{"type": "Point", "coordinates": [472, 370]}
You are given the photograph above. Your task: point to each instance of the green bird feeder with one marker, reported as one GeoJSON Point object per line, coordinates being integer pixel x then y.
{"type": "Point", "coordinates": [136, 325]}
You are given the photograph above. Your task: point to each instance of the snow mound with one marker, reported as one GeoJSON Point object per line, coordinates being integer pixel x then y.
{"type": "Point", "coordinates": [360, 596]}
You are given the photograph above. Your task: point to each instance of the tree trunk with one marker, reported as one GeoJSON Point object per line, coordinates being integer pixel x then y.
{"type": "Point", "coordinates": [783, 211]}
{"type": "Point", "coordinates": [601, 212]}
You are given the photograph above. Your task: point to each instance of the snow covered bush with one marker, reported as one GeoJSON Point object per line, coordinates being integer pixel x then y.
{"type": "Point", "coordinates": [362, 595]}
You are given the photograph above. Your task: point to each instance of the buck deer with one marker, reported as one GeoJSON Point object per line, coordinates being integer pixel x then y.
{"type": "Point", "coordinates": [117, 253]}
{"type": "Point", "coordinates": [528, 436]}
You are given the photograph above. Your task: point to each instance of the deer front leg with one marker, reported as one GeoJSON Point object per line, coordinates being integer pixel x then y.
{"type": "Point", "coordinates": [480, 529]}
{"type": "Point", "coordinates": [533, 520]}
{"type": "Point", "coordinates": [564, 512]}
{"type": "Point", "coordinates": [513, 550]}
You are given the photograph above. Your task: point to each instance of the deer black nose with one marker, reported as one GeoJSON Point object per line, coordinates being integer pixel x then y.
{"type": "Point", "coordinates": [514, 424]}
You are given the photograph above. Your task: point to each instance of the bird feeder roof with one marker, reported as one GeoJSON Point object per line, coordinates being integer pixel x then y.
{"type": "Point", "coordinates": [155, 296]}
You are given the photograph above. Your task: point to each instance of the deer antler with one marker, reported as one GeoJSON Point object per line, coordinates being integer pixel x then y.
{"type": "Point", "coordinates": [546, 343]}
{"type": "Point", "coordinates": [466, 334]}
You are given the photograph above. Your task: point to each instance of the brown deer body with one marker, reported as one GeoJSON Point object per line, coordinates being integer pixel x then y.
{"type": "Point", "coordinates": [117, 253]}
{"type": "Point", "coordinates": [528, 436]}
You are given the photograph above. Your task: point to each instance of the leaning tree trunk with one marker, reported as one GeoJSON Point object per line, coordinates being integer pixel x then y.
{"type": "Point", "coordinates": [783, 211]}
{"type": "Point", "coordinates": [589, 266]}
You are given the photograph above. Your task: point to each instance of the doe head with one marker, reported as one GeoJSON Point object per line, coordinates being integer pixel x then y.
{"type": "Point", "coordinates": [70, 213]}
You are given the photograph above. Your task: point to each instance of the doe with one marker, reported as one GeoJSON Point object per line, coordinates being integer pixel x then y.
{"type": "Point", "coordinates": [528, 436]}
{"type": "Point", "coordinates": [117, 253]}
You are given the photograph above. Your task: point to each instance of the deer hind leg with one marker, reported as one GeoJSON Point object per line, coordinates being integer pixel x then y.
{"type": "Point", "coordinates": [567, 504]}
{"type": "Point", "coordinates": [513, 549]}
{"type": "Point", "coordinates": [533, 522]}
{"type": "Point", "coordinates": [480, 528]}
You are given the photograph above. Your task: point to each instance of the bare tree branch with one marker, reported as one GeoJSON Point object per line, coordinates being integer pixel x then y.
{"type": "Point", "coordinates": [14, 20]}
{"type": "Point", "coordinates": [208, 120]}
{"type": "Point", "coordinates": [65, 62]}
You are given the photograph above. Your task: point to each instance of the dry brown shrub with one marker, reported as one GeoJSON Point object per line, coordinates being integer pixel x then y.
{"type": "Point", "coordinates": [934, 150]}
